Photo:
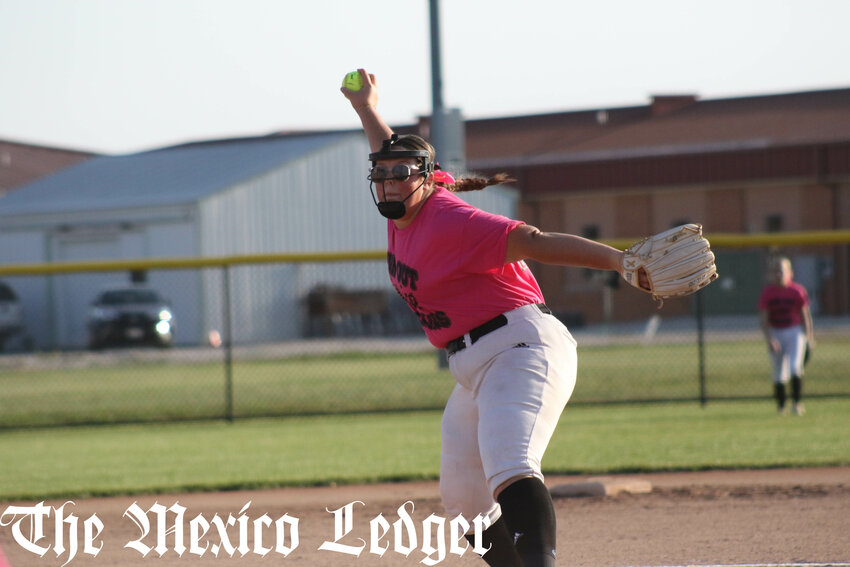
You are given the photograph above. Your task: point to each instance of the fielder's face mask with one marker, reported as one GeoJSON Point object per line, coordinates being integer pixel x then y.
{"type": "Point", "coordinates": [394, 210]}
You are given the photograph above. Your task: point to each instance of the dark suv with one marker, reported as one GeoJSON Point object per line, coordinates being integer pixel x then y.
{"type": "Point", "coordinates": [130, 315]}
{"type": "Point", "coordinates": [11, 314]}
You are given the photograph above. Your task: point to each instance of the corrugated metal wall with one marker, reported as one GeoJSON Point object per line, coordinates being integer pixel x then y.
{"type": "Point", "coordinates": [56, 308]}
{"type": "Point", "coordinates": [319, 203]}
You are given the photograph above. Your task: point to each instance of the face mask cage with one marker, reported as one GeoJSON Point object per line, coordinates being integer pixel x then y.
{"type": "Point", "coordinates": [386, 152]}
{"type": "Point", "coordinates": [379, 174]}
{"type": "Point", "coordinates": [399, 172]}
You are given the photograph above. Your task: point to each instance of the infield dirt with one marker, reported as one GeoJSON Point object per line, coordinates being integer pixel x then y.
{"type": "Point", "coordinates": [707, 518]}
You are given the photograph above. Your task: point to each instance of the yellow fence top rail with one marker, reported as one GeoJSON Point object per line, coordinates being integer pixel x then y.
{"type": "Point", "coordinates": [824, 237]}
{"type": "Point", "coordinates": [720, 240]}
{"type": "Point", "coordinates": [185, 263]}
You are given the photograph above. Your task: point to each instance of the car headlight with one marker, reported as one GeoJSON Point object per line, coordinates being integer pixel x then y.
{"type": "Point", "coordinates": [165, 315]}
{"type": "Point", "coordinates": [163, 327]}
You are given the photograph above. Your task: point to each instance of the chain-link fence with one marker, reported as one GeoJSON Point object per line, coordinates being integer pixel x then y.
{"type": "Point", "coordinates": [225, 339]}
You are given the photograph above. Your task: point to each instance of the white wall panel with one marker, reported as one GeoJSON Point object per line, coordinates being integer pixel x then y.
{"type": "Point", "coordinates": [24, 247]}
{"type": "Point", "coordinates": [320, 203]}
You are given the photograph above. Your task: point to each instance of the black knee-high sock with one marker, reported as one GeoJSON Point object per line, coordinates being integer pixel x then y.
{"type": "Point", "coordinates": [796, 388]}
{"type": "Point", "coordinates": [500, 541]}
{"type": "Point", "coordinates": [530, 516]}
{"type": "Point", "coordinates": [779, 394]}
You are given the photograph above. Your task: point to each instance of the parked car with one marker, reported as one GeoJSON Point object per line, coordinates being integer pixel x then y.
{"type": "Point", "coordinates": [130, 315]}
{"type": "Point", "coordinates": [11, 314]}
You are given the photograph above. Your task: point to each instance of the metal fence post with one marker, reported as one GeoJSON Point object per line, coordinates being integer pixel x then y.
{"type": "Point", "coordinates": [703, 398]}
{"type": "Point", "coordinates": [228, 347]}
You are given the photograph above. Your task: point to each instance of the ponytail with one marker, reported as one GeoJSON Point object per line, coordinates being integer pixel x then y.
{"type": "Point", "coordinates": [477, 183]}
{"type": "Point", "coordinates": [444, 178]}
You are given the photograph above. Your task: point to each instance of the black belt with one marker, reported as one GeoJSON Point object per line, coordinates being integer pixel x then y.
{"type": "Point", "coordinates": [495, 323]}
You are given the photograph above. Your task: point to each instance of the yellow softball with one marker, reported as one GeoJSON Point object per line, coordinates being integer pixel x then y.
{"type": "Point", "coordinates": [353, 81]}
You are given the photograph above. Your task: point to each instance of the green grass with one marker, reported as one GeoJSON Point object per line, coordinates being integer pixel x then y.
{"type": "Point", "coordinates": [159, 391]}
{"type": "Point", "coordinates": [670, 371]}
{"type": "Point", "coordinates": [156, 458]}
{"type": "Point", "coordinates": [683, 436]}
{"type": "Point", "coordinates": [341, 383]}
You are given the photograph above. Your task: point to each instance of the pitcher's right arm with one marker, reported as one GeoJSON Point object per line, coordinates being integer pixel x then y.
{"type": "Point", "coordinates": [365, 103]}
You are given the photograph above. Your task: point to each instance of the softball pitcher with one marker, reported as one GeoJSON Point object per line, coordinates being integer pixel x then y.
{"type": "Point", "coordinates": [786, 321]}
{"type": "Point", "coordinates": [462, 271]}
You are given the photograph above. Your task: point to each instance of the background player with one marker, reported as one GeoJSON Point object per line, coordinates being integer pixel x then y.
{"type": "Point", "coordinates": [786, 321]}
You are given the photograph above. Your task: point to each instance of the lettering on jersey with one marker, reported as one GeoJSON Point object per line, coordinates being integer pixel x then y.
{"type": "Point", "coordinates": [782, 310]}
{"type": "Point", "coordinates": [402, 274]}
{"type": "Point", "coordinates": [404, 279]}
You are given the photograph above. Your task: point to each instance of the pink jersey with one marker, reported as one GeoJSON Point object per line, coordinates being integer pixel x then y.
{"type": "Point", "coordinates": [784, 304]}
{"type": "Point", "coordinates": [449, 265]}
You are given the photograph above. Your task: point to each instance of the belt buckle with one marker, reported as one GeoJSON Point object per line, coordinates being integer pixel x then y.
{"type": "Point", "coordinates": [456, 345]}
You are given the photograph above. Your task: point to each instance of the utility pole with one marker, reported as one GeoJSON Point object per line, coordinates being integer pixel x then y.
{"type": "Point", "coordinates": [447, 132]}
{"type": "Point", "coordinates": [436, 59]}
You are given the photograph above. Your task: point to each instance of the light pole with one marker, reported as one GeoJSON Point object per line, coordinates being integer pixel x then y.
{"type": "Point", "coordinates": [447, 134]}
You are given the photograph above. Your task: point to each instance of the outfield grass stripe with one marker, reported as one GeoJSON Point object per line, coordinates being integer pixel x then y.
{"type": "Point", "coordinates": [84, 389]}
{"type": "Point", "coordinates": [174, 457]}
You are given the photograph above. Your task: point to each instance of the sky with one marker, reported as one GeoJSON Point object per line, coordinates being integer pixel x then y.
{"type": "Point", "coordinates": [121, 76]}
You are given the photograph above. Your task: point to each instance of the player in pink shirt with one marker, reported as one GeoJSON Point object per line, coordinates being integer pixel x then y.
{"type": "Point", "coordinates": [462, 271]}
{"type": "Point", "coordinates": [786, 321]}
{"type": "Point", "coordinates": [459, 278]}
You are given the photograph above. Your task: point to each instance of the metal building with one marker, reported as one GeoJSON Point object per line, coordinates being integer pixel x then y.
{"type": "Point", "coordinates": [269, 194]}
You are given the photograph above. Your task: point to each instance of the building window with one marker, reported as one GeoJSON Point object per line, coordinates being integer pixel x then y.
{"type": "Point", "coordinates": [139, 276]}
{"type": "Point", "coordinates": [591, 232]}
{"type": "Point", "coordinates": [773, 223]}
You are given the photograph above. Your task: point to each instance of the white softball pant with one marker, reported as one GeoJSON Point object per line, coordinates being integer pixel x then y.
{"type": "Point", "coordinates": [512, 386]}
{"type": "Point", "coordinates": [792, 348]}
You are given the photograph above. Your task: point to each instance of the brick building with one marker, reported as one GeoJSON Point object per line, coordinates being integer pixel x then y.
{"type": "Point", "coordinates": [739, 165]}
{"type": "Point", "coordinates": [23, 163]}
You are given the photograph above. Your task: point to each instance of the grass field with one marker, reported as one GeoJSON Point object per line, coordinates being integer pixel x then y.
{"type": "Point", "coordinates": [105, 390]}
{"type": "Point", "coordinates": [210, 455]}
{"type": "Point", "coordinates": [381, 418]}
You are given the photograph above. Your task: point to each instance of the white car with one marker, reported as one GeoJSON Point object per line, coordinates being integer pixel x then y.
{"type": "Point", "coordinates": [130, 315]}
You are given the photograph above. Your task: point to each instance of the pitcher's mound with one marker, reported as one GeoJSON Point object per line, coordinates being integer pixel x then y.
{"type": "Point", "coordinates": [601, 486]}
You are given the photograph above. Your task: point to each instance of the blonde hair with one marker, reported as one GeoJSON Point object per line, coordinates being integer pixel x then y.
{"type": "Point", "coordinates": [778, 262]}
{"type": "Point", "coordinates": [461, 184]}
